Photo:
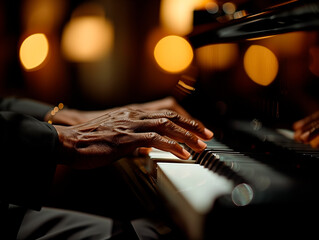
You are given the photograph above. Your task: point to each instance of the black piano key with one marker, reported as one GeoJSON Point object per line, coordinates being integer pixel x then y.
{"type": "Point", "coordinates": [196, 157]}
{"type": "Point", "coordinates": [212, 157]}
{"type": "Point", "coordinates": [216, 165]}
{"type": "Point", "coordinates": [188, 149]}
{"type": "Point", "coordinates": [234, 165]}
{"type": "Point", "coordinates": [201, 157]}
{"type": "Point", "coordinates": [213, 161]}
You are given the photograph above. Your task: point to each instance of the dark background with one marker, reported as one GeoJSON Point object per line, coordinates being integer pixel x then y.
{"type": "Point", "coordinates": [130, 73]}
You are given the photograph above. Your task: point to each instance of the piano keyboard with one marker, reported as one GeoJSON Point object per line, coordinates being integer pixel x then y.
{"type": "Point", "coordinates": [192, 187]}
{"type": "Point", "coordinates": [281, 138]}
{"type": "Point", "coordinates": [230, 181]}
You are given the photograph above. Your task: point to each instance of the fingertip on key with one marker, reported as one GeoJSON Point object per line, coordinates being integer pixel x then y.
{"type": "Point", "coordinates": [208, 133]}
{"type": "Point", "coordinates": [201, 144]}
{"type": "Point", "coordinates": [186, 154]}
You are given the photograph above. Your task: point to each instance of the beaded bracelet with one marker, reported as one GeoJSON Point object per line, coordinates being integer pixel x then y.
{"type": "Point", "coordinates": [54, 111]}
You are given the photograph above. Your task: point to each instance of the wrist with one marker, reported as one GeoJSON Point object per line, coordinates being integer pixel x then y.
{"type": "Point", "coordinates": [64, 145]}
{"type": "Point", "coordinates": [64, 116]}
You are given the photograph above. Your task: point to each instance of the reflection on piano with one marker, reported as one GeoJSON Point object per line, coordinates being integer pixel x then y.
{"type": "Point", "coordinates": [253, 177]}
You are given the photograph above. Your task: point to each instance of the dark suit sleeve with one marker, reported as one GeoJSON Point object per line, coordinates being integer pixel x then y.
{"type": "Point", "coordinates": [29, 107]}
{"type": "Point", "coordinates": [27, 159]}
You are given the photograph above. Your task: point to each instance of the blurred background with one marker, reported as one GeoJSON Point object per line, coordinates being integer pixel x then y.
{"type": "Point", "coordinates": [96, 54]}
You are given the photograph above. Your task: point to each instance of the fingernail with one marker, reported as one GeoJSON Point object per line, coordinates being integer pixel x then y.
{"type": "Point", "coordinates": [186, 154]}
{"type": "Point", "coordinates": [208, 133]}
{"type": "Point", "coordinates": [144, 151]}
{"type": "Point", "coordinates": [201, 144]}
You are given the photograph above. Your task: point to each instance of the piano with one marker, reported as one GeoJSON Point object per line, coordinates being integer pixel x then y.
{"type": "Point", "coordinates": [253, 180]}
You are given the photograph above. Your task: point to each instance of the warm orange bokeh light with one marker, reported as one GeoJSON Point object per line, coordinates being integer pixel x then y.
{"type": "Point", "coordinates": [33, 51]}
{"type": "Point", "coordinates": [217, 56]}
{"type": "Point", "coordinates": [229, 8]}
{"type": "Point", "coordinates": [176, 16]}
{"type": "Point", "coordinates": [44, 15]}
{"type": "Point", "coordinates": [288, 44]}
{"type": "Point", "coordinates": [87, 38]}
{"type": "Point", "coordinates": [261, 65]}
{"type": "Point", "coordinates": [173, 53]}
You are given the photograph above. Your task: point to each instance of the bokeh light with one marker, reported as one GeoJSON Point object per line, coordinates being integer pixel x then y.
{"type": "Point", "coordinates": [288, 44]}
{"type": "Point", "coordinates": [173, 53]}
{"type": "Point", "coordinates": [229, 8]}
{"type": "Point", "coordinates": [87, 38]}
{"type": "Point", "coordinates": [217, 56]}
{"type": "Point", "coordinates": [34, 51]}
{"type": "Point", "coordinates": [212, 7]}
{"type": "Point", "coordinates": [176, 16]}
{"type": "Point", "coordinates": [45, 15]}
{"type": "Point", "coordinates": [261, 64]}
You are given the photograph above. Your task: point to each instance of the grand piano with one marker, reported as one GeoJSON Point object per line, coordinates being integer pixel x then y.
{"type": "Point", "coordinates": [253, 180]}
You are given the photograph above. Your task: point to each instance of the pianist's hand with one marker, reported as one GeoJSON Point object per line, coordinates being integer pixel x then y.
{"type": "Point", "coordinates": [119, 132]}
{"type": "Point", "coordinates": [74, 116]}
{"type": "Point", "coordinates": [307, 130]}
{"type": "Point", "coordinates": [164, 103]}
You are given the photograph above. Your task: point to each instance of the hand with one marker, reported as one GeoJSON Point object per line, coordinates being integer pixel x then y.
{"type": "Point", "coordinates": [307, 130]}
{"type": "Point", "coordinates": [121, 131]}
{"type": "Point", "coordinates": [165, 103]}
{"type": "Point", "coordinates": [70, 117]}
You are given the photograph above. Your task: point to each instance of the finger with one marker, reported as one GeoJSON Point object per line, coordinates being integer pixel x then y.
{"type": "Point", "coordinates": [152, 139]}
{"type": "Point", "coordinates": [164, 126]}
{"type": "Point", "coordinates": [310, 134]}
{"type": "Point", "coordinates": [301, 123]}
{"type": "Point", "coordinates": [306, 121]}
{"type": "Point", "coordinates": [315, 142]}
{"type": "Point", "coordinates": [192, 125]}
{"type": "Point", "coordinates": [310, 127]}
{"type": "Point", "coordinates": [297, 135]}
{"type": "Point", "coordinates": [142, 151]}
{"type": "Point", "coordinates": [304, 137]}
{"type": "Point", "coordinates": [313, 133]}
{"type": "Point", "coordinates": [298, 124]}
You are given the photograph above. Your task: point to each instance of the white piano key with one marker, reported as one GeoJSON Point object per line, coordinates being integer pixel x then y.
{"type": "Point", "coordinates": [197, 184]}
{"type": "Point", "coordinates": [158, 154]}
{"type": "Point", "coordinates": [192, 190]}
{"type": "Point", "coordinates": [286, 132]}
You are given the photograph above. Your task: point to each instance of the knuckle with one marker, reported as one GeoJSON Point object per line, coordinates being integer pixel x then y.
{"type": "Point", "coordinates": [195, 124]}
{"type": "Point", "coordinates": [163, 121]}
{"type": "Point", "coordinates": [151, 136]}
{"type": "Point", "coordinates": [189, 135]}
{"type": "Point", "coordinates": [171, 142]}
{"type": "Point", "coordinates": [171, 114]}
{"type": "Point", "coordinates": [168, 125]}
{"type": "Point", "coordinates": [133, 113]}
